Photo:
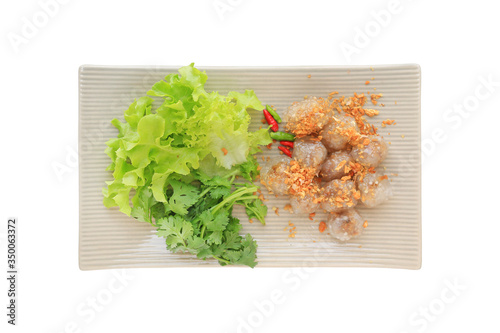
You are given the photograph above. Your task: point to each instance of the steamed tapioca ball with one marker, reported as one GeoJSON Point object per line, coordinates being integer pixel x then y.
{"type": "Point", "coordinates": [337, 134]}
{"type": "Point", "coordinates": [305, 204]}
{"type": "Point", "coordinates": [375, 188]}
{"type": "Point", "coordinates": [339, 195]}
{"type": "Point", "coordinates": [307, 117]}
{"type": "Point", "coordinates": [273, 176]}
{"type": "Point", "coordinates": [334, 166]}
{"type": "Point", "coordinates": [345, 225]}
{"type": "Point", "coordinates": [370, 151]}
{"type": "Point", "coordinates": [309, 153]}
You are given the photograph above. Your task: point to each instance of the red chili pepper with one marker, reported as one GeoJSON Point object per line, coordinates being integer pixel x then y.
{"type": "Point", "coordinates": [286, 151]}
{"type": "Point", "coordinates": [287, 143]}
{"type": "Point", "coordinates": [271, 121]}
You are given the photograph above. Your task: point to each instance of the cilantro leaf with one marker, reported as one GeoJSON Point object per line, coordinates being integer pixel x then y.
{"type": "Point", "coordinates": [158, 211]}
{"type": "Point", "coordinates": [198, 246]}
{"type": "Point", "coordinates": [234, 225]}
{"type": "Point", "coordinates": [184, 196]}
{"type": "Point", "coordinates": [176, 231]}
{"type": "Point", "coordinates": [217, 222]}
{"type": "Point", "coordinates": [143, 201]}
{"type": "Point", "coordinates": [215, 237]}
{"type": "Point", "coordinates": [256, 209]}
{"type": "Point", "coordinates": [232, 256]}
{"type": "Point", "coordinates": [233, 240]}
{"type": "Point", "coordinates": [248, 255]}
{"type": "Point", "coordinates": [249, 169]}
{"type": "Point", "coordinates": [220, 192]}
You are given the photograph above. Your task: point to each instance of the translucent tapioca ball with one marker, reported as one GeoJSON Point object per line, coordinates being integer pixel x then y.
{"type": "Point", "coordinates": [338, 195]}
{"type": "Point", "coordinates": [345, 225]}
{"type": "Point", "coordinates": [334, 166]}
{"type": "Point", "coordinates": [371, 151]}
{"type": "Point", "coordinates": [375, 188]}
{"type": "Point", "coordinates": [307, 117]}
{"type": "Point", "coordinates": [309, 153]}
{"type": "Point", "coordinates": [272, 174]}
{"type": "Point", "coordinates": [337, 134]}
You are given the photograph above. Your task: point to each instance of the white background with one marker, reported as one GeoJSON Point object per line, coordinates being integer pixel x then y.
{"type": "Point", "coordinates": [455, 44]}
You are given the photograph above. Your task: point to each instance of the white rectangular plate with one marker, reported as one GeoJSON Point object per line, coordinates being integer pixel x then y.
{"type": "Point", "coordinates": [109, 239]}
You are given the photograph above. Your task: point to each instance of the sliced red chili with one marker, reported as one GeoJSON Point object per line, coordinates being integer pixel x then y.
{"type": "Point", "coordinates": [271, 121]}
{"type": "Point", "coordinates": [287, 143]}
{"type": "Point", "coordinates": [286, 151]}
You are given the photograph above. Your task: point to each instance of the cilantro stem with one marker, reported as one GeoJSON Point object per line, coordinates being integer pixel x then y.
{"type": "Point", "coordinates": [250, 197]}
{"type": "Point", "coordinates": [259, 217]}
{"type": "Point", "coordinates": [234, 173]}
{"type": "Point", "coordinates": [223, 260]}
{"type": "Point", "coordinates": [202, 231]}
{"type": "Point", "coordinates": [205, 191]}
{"type": "Point", "coordinates": [234, 197]}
